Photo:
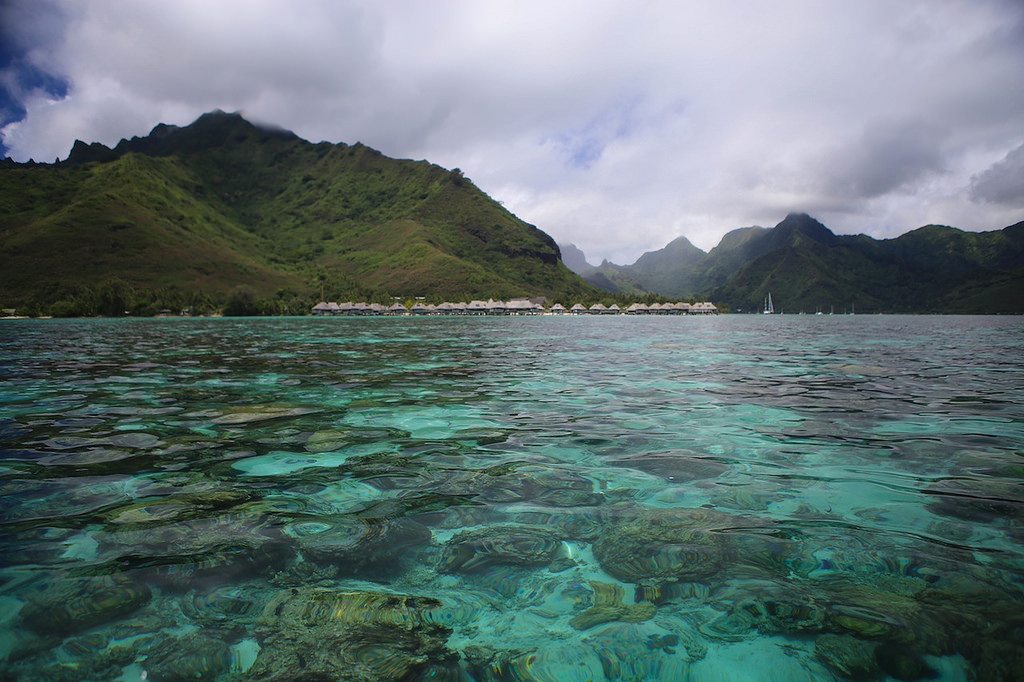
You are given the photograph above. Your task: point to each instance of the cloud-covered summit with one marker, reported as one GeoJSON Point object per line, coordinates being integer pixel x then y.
{"type": "Point", "coordinates": [615, 126]}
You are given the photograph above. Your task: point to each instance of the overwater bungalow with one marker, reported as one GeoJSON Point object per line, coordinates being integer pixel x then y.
{"type": "Point", "coordinates": [476, 308]}
{"type": "Point", "coordinates": [516, 306]}
{"type": "Point", "coordinates": [704, 308]}
{"type": "Point", "coordinates": [523, 306]}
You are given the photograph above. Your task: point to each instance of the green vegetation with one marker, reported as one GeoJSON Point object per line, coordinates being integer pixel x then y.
{"type": "Point", "coordinates": [807, 268]}
{"type": "Point", "coordinates": [225, 214]}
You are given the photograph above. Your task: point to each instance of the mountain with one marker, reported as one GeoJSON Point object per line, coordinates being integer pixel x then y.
{"type": "Point", "coordinates": [575, 259]}
{"type": "Point", "coordinates": [934, 269]}
{"type": "Point", "coordinates": [223, 203]}
{"type": "Point", "coordinates": [808, 268]}
{"type": "Point", "coordinates": [669, 271]}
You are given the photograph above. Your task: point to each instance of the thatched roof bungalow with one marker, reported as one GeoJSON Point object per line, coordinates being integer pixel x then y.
{"type": "Point", "coordinates": [523, 306]}
{"type": "Point", "coordinates": [496, 307]}
{"type": "Point", "coordinates": [475, 307]}
{"type": "Point", "coordinates": [516, 306]}
{"type": "Point", "coordinates": [704, 308]}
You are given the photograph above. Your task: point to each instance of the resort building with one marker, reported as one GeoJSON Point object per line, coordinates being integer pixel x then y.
{"type": "Point", "coordinates": [516, 306]}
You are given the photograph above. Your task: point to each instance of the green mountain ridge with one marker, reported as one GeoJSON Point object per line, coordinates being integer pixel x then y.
{"type": "Point", "coordinates": [222, 204]}
{"type": "Point", "coordinates": [808, 268]}
{"type": "Point", "coordinates": [223, 211]}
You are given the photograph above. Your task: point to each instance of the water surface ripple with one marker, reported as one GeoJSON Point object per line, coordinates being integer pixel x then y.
{"type": "Point", "coordinates": [737, 497]}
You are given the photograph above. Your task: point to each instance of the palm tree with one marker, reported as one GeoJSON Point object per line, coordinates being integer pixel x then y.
{"type": "Point", "coordinates": [321, 277]}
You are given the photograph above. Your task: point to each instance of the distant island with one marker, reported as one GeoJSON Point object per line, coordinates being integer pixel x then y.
{"type": "Point", "coordinates": [226, 217]}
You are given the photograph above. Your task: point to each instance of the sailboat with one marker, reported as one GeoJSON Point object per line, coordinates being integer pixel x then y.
{"type": "Point", "coordinates": [768, 307]}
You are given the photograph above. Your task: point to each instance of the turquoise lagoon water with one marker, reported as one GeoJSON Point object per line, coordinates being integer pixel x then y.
{"type": "Point", "coordinates": [727, 498]}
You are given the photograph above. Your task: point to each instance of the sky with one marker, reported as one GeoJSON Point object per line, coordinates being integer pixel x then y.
{"type": "Point", "coordinates": [616, 126]}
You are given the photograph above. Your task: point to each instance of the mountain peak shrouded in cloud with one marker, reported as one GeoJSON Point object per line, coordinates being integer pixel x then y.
{"type": "Point", "coordinates": [614, 128]}
{"type": "Point", "coordinates": [211, 129]}
{"type": "Point", "coordinates": [804, 225]}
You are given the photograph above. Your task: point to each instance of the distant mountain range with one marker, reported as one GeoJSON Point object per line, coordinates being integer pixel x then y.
{"type": "Point", "coordinates": [222, 204]}
{"type": "Point", "coordinates": [226, 213]}
{"type": "Point", "coordinates": [808, 268]}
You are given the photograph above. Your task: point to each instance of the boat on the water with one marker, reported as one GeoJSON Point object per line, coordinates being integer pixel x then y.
{"type": "Point", "coordinates": [769, 308]}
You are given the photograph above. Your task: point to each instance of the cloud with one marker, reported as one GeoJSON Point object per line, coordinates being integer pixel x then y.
{"type": "Point", "coordinates": [611, 125]}
{"type": "Point", "coordinates": [1002, 182]}
{"type": "Point", "coordinates": [23, 72]}
{"type": "Point", "coordinates": [885, 157]}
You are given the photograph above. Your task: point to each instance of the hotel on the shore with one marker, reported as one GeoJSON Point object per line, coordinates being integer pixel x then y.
{"type": "Point", "coordinates": [515, 306]}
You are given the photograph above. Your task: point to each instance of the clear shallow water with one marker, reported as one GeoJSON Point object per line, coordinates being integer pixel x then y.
{"type": "Point", "coordinates": [739, 497]}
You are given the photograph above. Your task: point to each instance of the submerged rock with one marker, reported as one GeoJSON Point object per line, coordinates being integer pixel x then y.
{"type": "Point", "coordinates": [227, 606]}
{"type": "Point", "coordinates": [757, 609]}
{"type": "Point", "coordinates": [871, 613]}
{"type": "Point", "coordinates": [902, 663]}
{"type": "Point", "coordinates": [477, 549]}
{"type": "Point", "coordinates": [317, 606]}
{"type": "Point", "coordinates": [630, 652]}
{"type": "Point", "coordinates": [666, 545]}
{"type": "Point", "coordinates": [181, 507]}
{"type": "Point", "coordinates": [195, 656]}
{"type": "Point", "coordinates": [250, 414]}
{"type": "Point", "coordinates": [847, 656]}
{"type": "Point", "coordinates": [230, 545]}
{"type": "Point", "coordinates": [979, 499]}
{"type": "Point", "coordinates": [316, 634]}
{"type": "Point", "coordinates": [351, 545]}
{"type": "Point", "coordinates": [75, 604]}
{"type": "Point", "coordinates": [487, 663]}
{"type": "Point", "coordinates": [329, 440]}
{"type": "Point", "coordinates": [363, 652]}
{"type": "Point", "coordinates": [608, 606]}
{"type": "Point", "coordinates": [678, 466]}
